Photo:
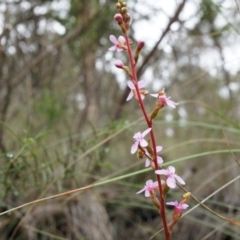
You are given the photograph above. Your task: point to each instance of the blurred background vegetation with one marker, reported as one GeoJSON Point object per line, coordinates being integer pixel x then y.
{"type": "Point", "coordinates": [64, 121]}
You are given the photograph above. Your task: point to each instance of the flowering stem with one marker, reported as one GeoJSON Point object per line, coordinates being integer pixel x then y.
{"type": "Point", "coordinates": [134, 75]}
{"type": "Point", "coordinates": [149, 123]}
{"type": "Point", "coordinates": [162, 201]}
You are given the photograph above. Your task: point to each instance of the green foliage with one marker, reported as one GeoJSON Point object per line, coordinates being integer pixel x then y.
{"type": "Point", "coordinates": [49, 107]}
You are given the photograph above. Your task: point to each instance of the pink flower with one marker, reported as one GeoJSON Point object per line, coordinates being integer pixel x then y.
{"type": "Point", "coordinates": [139, 140]}
{"type": "Point", "coordinates": [171, 176]}
{"type": "Point", "coordinates": [141, 84]}
{"type": "Point", "coordinates": [178, 206]}
{"type": "Point", "coordinates": [159, 159]}
{"type": "Point", "coordinates": [163, 99]}
{"type": "Point", "coordinates": [149, 186]}
{"type": "Point", "coordinates": [118, 43]}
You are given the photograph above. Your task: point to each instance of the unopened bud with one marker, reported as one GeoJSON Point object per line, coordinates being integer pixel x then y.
{"type": "Point", "coordinates": [155, 200]}
{"type": "Point", "coordinates": [149, 149]}
{"type": "Point", "coordinates": [140, 45]}
{"type": "Point", "coordinates": [127, 17]}
{"type": "Point", "coordinates": [123, 10]}
{"type": "Point", "coordinates": [127, 70]}
{"type": "Point", "coordinates": [137, 51]}
{"type": "Point", "coordinates": [124, 4]}
{"type": "Point", "coordinates": [118, 6]}
{"type": "Point", "coordinates": [155, 112]}
{"type": "Point", "coordinates": [118, 17]}
{"type": "Point", "coordinates": [165, 190]}
{"type": "Point", "coordinates": [119, 64]}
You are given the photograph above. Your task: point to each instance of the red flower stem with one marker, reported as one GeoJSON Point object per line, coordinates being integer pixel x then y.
{"type": "Point", "coordinates": [149, 123]}
{"type": "Point", "coordinates": [135, 80]}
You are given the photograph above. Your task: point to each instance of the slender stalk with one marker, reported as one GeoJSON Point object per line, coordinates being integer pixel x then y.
{"type": "Point", "coordinates": [135, 80]}
{"type": "Point", "coordinates": [149, 123]}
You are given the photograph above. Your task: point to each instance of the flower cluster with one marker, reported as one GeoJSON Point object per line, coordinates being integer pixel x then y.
{"type": "Point", "coordinates": [141, 146]}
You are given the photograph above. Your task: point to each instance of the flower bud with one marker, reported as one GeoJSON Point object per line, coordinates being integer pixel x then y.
{"type": "Point", "coordinates": [149, 149]}
{"type": "Point", "coordinates": [155, 200]}
{"type": "Point", "coordinates": [118, 17]}
{"type": "Point", "coordinates": [119, 64]}
{"type": "Point", "coordinates": [118, 6]}
{"type": "Point", "coordinates": [140, 45]}
{"type": "Point", "coordinates": [155, 112]}
{"type": "Point", "coordinates": [137, 51]}
{"type": "Point", "coordinates": [165, 190]}
{"type": "Point", "coordinates": [124, 4]}
{"type": "Point", "coordinates": [127, 17]}
{"type": "Point", "coordinates": [123, 10]}
{"type": "Point", "coordinates": [127, 70]}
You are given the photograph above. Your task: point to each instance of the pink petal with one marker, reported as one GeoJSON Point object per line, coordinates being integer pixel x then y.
{"type": "Point", "coordinates": [147, 193]}
{"type": "Point", "coordinates": [141, 84]}
{"type": "Point", "coordinates": [175, 203]}
{"type": "Point", "coordinates": [146, 132]}
{"type": "Point", "coordinates": [137, 135]}
{"type": "Point", "coordinates": [113, 48]}
{"type": "Point", "coordinates": [171, 182]}
{"type": "Point", "coordinates": [171, 169]}
{"type": "Point", "coordinates": [147, 163]}
{"type": "Point", "coordinates": [131, 85]}
{"type": "Point", "coordinates": [154, 95]}
{"type": "Point", "coordinates": [155, 184]}
{"type": "Point", "coordinates": [179, 179]}
{"type": "Point", "coordinates": [119, 62]}
{"type": "Point", "coordinates": [159, 160]}
{"type": "Point", "coordinates": [130, 96]}
{"type": "Point", "coordinates": [113, 39]}
{"type": "Point", "coordinates": [121, 39]}
{"type": "Point", "coordinates": [143, 143]}
{"type": "Point", "coordinates": [119, 49]}
{"type": "Point", "coordinates": [134, 148]}
{"type": "Point", "coordinates": [170, 103]}
{"type": "Point", "coordinates": [142, 96]}
{"type": "Point", "coordinates": [142, 190]}
{"type": "Point", "coordinates": [184, 206]}
{"type": "Point", "coordinates": [159, 148]}
{"type": "Point", "coordinates": [162, 172]}
{"type": "Point", "coordinates": [149, 182]}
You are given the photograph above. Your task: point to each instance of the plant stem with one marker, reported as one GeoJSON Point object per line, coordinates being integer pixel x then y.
{"type": "Point", "coordinates": [149, 123]}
